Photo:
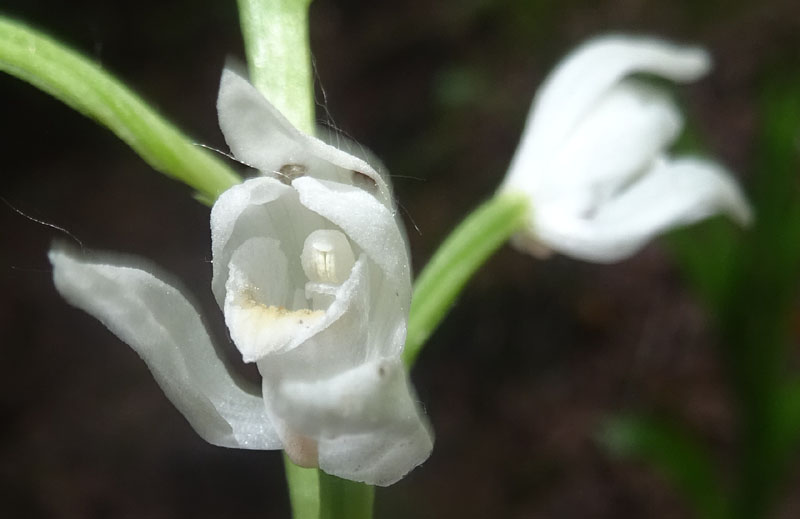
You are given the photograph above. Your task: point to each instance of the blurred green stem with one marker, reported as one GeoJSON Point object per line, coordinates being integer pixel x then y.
{"type": "Point", "coordinates": [467, 248]}
{"type": "Point", "coordinates": [279, 56]}
{"type": "Point", "coordinates": [85, 86]}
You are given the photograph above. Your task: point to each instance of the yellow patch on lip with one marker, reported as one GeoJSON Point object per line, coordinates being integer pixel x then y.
{"type": "Point", "coordinates": [259, 329]}
{"type": "Point", "coordinates": [274, 313]}
{"type": "Point", "coordinates": [269, 316]}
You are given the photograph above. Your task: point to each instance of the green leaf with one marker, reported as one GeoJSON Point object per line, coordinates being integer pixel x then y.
{"type": "Point", "coordinates": [756, 313]}
{"type": "Point", "coordinates": [788, 443]}
{"type": "Point", "coordinates": [679, 456]}
{"type": "Point", "coordinates": [85, 86]}
{"type": "Point", "coordinates": [756, 324]}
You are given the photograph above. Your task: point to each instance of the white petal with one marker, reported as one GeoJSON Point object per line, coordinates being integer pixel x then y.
{"type": "Point", "coordinates": [376, 459]}
{"type": "Point", "coordinates": [259, 208]}
{"type": "Point", "coordinates": [672, 194]}
{"type": "Point", "coordinates": [617, 140]}
{"type": "Point", "coordinates": [583, 77]}
{"type": "Point", "coordinates": [373, 227]}
{"type": "Point", "coordinates": [163, 327]}
{"type": "Point", "coordinates": [260, 136]}
{"type": "Point", "coordinates": [369, 224]}
{"type": "Point", "coordinates": [366, 420]}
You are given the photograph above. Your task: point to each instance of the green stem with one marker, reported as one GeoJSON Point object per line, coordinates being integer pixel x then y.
{"type": "Point", "coordinates": [303, 490]}
{"type": "Point", "coordinates": [85, 86]}
{"type": "Point", "coordinates": [279, 56]}
{"type": "Point", "coordinates": [465, 250]}
{"type": "Point", "coordinates": [344, 499]}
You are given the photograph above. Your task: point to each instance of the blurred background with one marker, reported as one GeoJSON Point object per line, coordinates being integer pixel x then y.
{"type": "Point", "coordinates": [532, 360]}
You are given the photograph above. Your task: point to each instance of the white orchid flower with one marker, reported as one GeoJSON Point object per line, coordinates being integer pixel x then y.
{"type": "Point", "coordinates": [593, 158]}
{"type": "Point", "coordinates": [311, 270]}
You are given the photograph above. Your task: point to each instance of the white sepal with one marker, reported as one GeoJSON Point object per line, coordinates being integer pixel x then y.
{"type": "Point", "coordinates": [163, 327]}
{"type": "Point", "coordinates": [673, 193]}
{"type": "Point", "coordinates": [587, 73]}
{"type": "Point", "coordinates": [263, 138]}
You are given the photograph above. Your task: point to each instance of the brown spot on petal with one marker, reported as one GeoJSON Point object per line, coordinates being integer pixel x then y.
{"type": "Point", "coordinates": [365, 182]}
{"type": "Point", "coordinates": [289, 172]}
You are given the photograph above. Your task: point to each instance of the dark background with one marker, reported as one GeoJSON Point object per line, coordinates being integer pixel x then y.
{"type": "Point", "coordinates": [533, 358]}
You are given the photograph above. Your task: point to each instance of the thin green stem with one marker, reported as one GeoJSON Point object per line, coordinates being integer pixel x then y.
{"type": "Point", "coordinates": [344, 499]}
{"type": "Point", "coordinates": [279, 56]}
{"type": "Point", "coordinates": [303, 490]}
{"type": "Point", "coordinates": [465, 250]}
{"type": "Point", "coordinates": [85, 86]}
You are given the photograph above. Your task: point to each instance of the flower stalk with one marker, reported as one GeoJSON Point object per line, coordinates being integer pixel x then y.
{"type": "Point", "coordinates": [467, 248]}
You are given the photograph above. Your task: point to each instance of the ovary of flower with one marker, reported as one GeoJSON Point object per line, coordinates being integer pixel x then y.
{"type": "Point", "coordinates": [311, 271]}
{"type": "Point", "coordinates": [593, 156]}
